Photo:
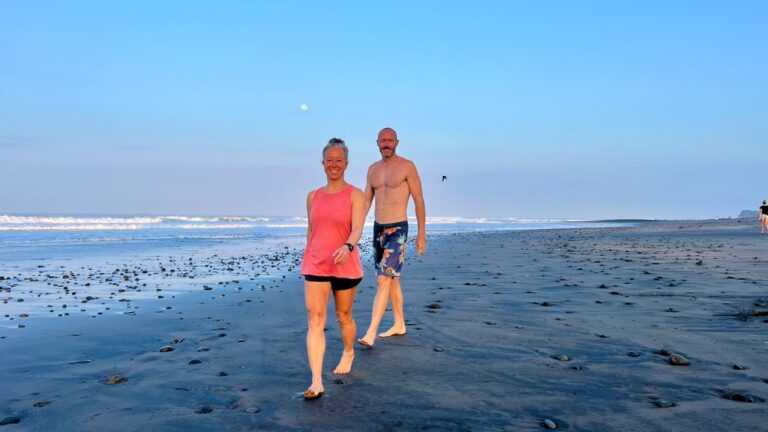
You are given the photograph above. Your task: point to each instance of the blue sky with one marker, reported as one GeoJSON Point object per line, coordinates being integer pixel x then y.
{"type": "Point", "coordinates": [550, 109]}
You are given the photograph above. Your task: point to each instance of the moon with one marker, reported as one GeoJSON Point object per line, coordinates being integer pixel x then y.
{"type": "Point", "coordinates": [304, 107]}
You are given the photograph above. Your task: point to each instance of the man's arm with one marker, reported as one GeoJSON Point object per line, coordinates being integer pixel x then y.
{"type": "Point", "coordinates": [367, 194]}
{"type": "Point", "coordinates": [414, 186]}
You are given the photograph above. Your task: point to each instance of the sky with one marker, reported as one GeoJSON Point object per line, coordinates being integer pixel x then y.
{"type": "Point", "coordinates": [537, 110]}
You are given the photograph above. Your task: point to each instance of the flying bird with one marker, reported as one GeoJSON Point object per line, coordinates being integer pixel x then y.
{"type": "Point", "coordinates": [445, 178]}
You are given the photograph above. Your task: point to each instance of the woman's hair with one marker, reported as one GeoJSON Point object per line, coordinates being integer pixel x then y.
{"type": "Point", "coordinates": [336, 142]}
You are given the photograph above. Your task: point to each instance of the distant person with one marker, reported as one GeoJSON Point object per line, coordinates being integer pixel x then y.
{"type": "Point", "coordinates": [391, 182]}
{"type": "Point", "coordinates": [762, 216]}
{"type": "Point", "coordinates": [331, 264]}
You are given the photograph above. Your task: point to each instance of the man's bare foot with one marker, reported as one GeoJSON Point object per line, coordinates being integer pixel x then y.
{"type": "Point", "coordinates": [345, 364]}
{"type": "Point", "coordinates": [314, 391]}
{"type": "Point", "coordinates": [366, 341]}
{"type": "Point", "coordinates": [394, 331]}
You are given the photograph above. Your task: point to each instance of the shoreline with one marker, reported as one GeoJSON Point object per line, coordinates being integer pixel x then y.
{"type": "Point", "coordinates": [490, 315]}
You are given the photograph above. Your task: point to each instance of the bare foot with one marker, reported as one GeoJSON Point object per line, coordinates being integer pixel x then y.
{"type": "Point", "coordinates": [345, 364]}
{"type": "Point", "coordinates": [394, 331]}
{"type": "Point", "coordinates": [366, 341]}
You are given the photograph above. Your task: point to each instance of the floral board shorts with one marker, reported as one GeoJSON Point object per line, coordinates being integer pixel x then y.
{"type": "Point", "coordinates": [389, 245]}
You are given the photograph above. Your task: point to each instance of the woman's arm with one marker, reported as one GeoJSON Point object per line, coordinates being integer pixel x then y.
{"type": "Point", "coordinates": [341, 254]}
{"type": "Point", "coordinates": [310, 196]}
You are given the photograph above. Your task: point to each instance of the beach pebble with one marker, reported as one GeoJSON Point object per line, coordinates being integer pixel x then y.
{"type": "Point", "coordinates": [253, 410]}
{"type": "Point", "coordinates": [743, 397]}
{"type": "Point", "coordinates": [739, 367]}
{"type": "Point", "coordinates": [223, 374]}
{"type": "Point", "coordinates": [203, 349]}
{"type": "Point", "coordinates": [663, 403]}
{"type": "Point", "coordinates": [10, 420]}
{"type": "Point", "coordinates": [678, 360]}
{"type": "Point", "coordinates": [116, 379]}
{"type": "Point", "coordinates": [633, 354]}
{"type": "Point", "coordinates": [166, 349]}
{"type": "Point", "coordinates": [665, 352]}
{"type": "Point", "coordinates": [438, 349]}
{"type": "Point", "coordinates": [546, 304]}
{"type": "Point", "coordinates": [549, 424]}
{"type": "Point", "coordinates": [339, 381]}
{"type": "Point", "coordinates": [177, 340]}
{"type": "Point", "coordinates": [434, 306]}
{"type": "Point", "coordinates": [195, 361]}
{"type": "Point", "coordinates": [204, 410]}
{"type": "Point", "coordinates": [41, 404]}
{"type": "Point", "coordinates": [561, 357]}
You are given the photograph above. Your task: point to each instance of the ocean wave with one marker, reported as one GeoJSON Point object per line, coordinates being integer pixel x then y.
{"type": "Point", "coordinates": [7, 219]}
{"type": "Point", "coordinates": [84, 227]}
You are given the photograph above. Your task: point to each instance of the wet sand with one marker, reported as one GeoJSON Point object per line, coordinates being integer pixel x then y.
{"type": "Point", "coordinates": [505, 330]}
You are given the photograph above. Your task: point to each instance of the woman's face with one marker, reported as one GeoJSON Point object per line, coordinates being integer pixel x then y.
{"type": "Point", "coordinates": [335, 163]}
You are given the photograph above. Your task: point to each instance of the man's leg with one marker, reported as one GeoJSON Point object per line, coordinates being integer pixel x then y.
{"type": "Point", "coordinates": [379, 306]}
{"type": "Point", "coordinates": [396, 297]}
{"type": "Point", "coordinates": [316, 295]}
{"type": "Point", "coordinates": [344, 300]}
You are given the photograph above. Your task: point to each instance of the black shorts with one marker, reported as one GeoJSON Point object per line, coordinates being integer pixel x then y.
{"type": "Point", "coordinates": [337, 284]}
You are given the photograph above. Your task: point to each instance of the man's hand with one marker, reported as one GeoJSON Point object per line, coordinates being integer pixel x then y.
{"type": "Point", "coordinates": [421, 244]}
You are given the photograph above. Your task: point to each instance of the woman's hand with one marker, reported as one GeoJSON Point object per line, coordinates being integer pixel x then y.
{"type": "Point", "coordinates": [341, 255]}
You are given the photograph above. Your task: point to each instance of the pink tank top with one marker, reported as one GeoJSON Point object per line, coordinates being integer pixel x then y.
{"type": "Point", "coordinates": [331, 219]}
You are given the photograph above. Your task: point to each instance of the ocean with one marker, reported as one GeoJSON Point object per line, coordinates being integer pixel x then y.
{"type": "Point", "coordinates": [49, 261]}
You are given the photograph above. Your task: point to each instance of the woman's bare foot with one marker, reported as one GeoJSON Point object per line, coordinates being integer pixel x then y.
{"type": "Point", "coordinates": [394, 331]}
{"type": "Point", "coordinates": [345, 364]}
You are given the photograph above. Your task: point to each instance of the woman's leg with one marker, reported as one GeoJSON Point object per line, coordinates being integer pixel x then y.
{"type": "Point", "coordinates": [344, 300]}
{"type": "Point", "coordinates": [316, 295]}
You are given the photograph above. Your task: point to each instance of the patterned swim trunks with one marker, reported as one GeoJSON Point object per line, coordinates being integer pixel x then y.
{"type": "Point", "coordinates": [389, 245]}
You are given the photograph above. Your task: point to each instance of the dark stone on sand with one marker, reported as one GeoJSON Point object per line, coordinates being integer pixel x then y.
{"type": "Point", "coordinates": [438, 349]}
{"type": "Point", "coordinates": [742, 397]}
{"type": "Point", "coordinates": [339, 381]}
{"type": "Point", "coordinates": [41, 404]}
{"type": "Point", "coordinates": [223, 374]}
{"type": "Point", "coordinates": [490, 323]}
{"type": "Point", "coordinates": [177, 340]}
{"type": "Point", "coordinates": [633, 354]}
{"type": "Point", "coordinates": [207, 288]}
{"type": "Point", "coordinates": [699, 262]}
{"type": "Point", "coordinates": [663, 403]}
{"type": "Point", "coordinates": [10, 420]}
{"type": "Point", "coordinates": [204, 410]}
{"type": "Point", "coordinates": [253, 410]}
{"type": "Point", "coordinates": [203, 349]}
{"type": "Point", "coordinates": [665, 352]}
{"type": "Point", "coordinates": [561, 357]}
{"type": "Point", "coordinates": [603, 286]}
{"type": "Point", "coordinates": [678, 360]}
{"type": "Point", "coordinates": [166, 349]}
{"type": "Point", "coordinates": [739, 367]}
{"type": "Point", "coordinates": [434, 306]}
{"type": "Point", "coordinates": [546, 304]}
{"type": "Point", "coordinates": [195, 361]}
{"type": "Point", "coordinates": [671, 310]}
{"type": "Point", "coordinates": [116, 379]}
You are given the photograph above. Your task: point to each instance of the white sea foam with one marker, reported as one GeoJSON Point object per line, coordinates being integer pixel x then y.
{"type": "Point", "coordinates": [211, 226]}
{"type": "Point", "coordinates": [82, 227]}
{"type": "Point", "coordinates": [7, 219]}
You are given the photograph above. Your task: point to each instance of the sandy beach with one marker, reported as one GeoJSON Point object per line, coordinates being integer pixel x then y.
{"type": "Point", "coordinates": [506, 330]}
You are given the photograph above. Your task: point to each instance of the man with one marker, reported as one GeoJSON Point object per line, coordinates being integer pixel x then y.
{"type": "Point", "coordinates": [391, 181]}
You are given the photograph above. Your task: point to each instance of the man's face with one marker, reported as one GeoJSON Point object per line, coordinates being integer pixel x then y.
{"type": "Point", "coordinates": [334, 163]}
{"type": "Point", "coordinates": [387, 143]}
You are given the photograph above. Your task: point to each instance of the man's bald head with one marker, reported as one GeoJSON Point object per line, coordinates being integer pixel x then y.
{"type": "Point", "coordinates": [387, 142]}
{"type": "Point", "coordinates": [389, 130]}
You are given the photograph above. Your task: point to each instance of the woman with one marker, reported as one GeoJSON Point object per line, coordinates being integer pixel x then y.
{"type": "Point", "coordinates": [762, 216]}
{"type": "Point", "coordinates": [331, 261]}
